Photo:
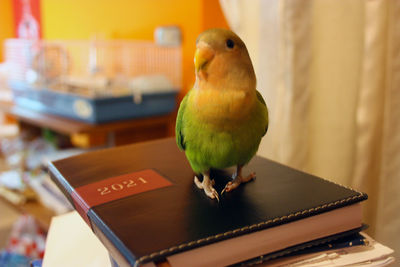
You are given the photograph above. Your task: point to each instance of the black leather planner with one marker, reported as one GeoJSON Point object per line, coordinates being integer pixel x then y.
{"type": "Point", "coordinates": [142, 220]}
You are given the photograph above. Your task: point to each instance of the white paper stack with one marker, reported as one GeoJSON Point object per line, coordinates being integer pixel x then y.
{"type": "Point", "coordinates": [373, 254]}
{"type": "Point", "coordinates": [70, 242]}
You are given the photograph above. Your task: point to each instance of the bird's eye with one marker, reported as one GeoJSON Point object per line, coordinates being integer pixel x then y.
{"type": "Point", "coordinates": [230, 44]}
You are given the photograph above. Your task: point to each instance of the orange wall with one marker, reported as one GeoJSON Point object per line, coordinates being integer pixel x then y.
{"type": "Point", "coordinates": [76, 19]}
{"type": "Point", "coordinates": [212, 15]}
{"type": "Point", "coordinates": [6, 23]}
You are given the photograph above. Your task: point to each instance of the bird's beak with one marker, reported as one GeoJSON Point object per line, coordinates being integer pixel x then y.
{"type": "Point", "coordinates": [204, 54]}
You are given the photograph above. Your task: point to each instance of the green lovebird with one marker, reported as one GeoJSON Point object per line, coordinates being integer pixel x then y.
{"type": "Point", "coordinates": [222, 119]}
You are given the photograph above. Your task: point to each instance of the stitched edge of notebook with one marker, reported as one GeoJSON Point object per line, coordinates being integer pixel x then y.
{"type": "Point", "coordinates": [360, 196]}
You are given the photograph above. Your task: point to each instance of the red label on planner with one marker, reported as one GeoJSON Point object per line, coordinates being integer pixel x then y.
{"type": "Point", "coordinates": [88, 196]}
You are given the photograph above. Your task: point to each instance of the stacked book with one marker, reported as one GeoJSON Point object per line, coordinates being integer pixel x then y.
{"type": "Point", "coordinates": [142, 204]}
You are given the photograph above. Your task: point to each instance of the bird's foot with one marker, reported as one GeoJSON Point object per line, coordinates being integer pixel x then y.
{"type": "Point", "coordinates": [207, 186]}
{"type": "Point", "coordinates": [237, 181]}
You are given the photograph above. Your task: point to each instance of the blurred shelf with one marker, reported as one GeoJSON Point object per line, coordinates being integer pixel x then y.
{"type": "Point", "coordinates": [86, 135]}
{"type": "Point", "coordinates": [34, 208]}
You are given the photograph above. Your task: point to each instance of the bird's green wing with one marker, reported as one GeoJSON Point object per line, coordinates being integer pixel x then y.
{"type": "Point", "coordinates": [179, 123]}
{"type": "Point", "coordinates": [261, 99]}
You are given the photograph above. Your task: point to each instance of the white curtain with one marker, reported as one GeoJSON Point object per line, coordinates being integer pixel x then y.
{"type": "Point", "coordinates": [278, 34]}
{"type": "Point", "coordinates": [378, 120]}
{"type": "Point", "coordinates": [330, 73]}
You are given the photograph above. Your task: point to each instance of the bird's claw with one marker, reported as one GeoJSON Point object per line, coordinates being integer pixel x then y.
{"type": "Point", "coordinates": [212, 193]}
{"type": "Point", "coordinates": [250, 177]}
{"type": "Point", "coordinates": [198, 183]}
{"type": "Point", "coordinates": [230, 186]}
{"type": "Point", "coordinates": [223, 191]}
{"type": "Point", "coordinates": [207, 187]}
{"type": "Point", "coordinates": [237, 181]}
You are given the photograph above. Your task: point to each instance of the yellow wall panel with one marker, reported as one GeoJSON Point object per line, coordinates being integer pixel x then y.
{"type": "Point", "coordinates": [73, 19]}
{"type": "Point", "coordinates": [6, 23]}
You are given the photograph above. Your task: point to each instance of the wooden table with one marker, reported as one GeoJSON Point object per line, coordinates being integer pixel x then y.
{"type": "Point", "coordinates": [86, 134]}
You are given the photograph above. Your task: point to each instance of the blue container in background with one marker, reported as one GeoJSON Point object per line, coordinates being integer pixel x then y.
{"type": "Point", "coordinates": [92, 110]}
